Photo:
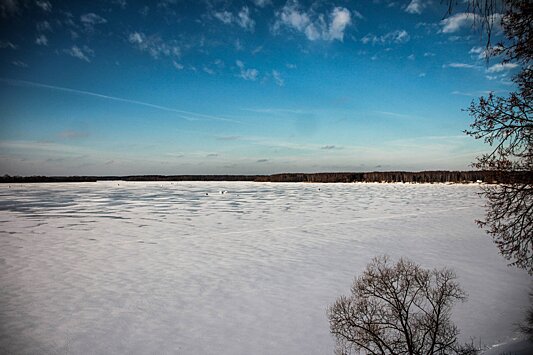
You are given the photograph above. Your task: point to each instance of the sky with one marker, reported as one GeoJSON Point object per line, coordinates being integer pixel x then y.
{"type": "Point", "coordinates": [238, 87]}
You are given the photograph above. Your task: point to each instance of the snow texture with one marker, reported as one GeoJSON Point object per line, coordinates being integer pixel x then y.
{"type": "Point", "coordinates": [145, 268]}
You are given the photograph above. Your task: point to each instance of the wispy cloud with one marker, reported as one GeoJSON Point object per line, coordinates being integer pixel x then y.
{"type": "Point", "coordinates": [19, 63]}
{"type": "Point", "coordinates": [417, 6]}
{"type": "Point", "coordinates": [313, 26]}
{"type": "Point", "coordinates": [455, 22]}
{"type": "Point", "coordinates": [208, 70]}
{"type": "Point", "coordinates": [43, 26]}
{"type": "Point", "coordinates": [7, 44]}
{"type": "Point", "coordinates": [81, 53]}
{"type": "Point", "coordinates": [241, 18]}
{"type": "Point", "coordinates": [244, 20]}
{"type": "Point", "coordinates": [44, 5]}
{"type": "Point", "coordinates": [41, 40]}
{"type": "Point", "coordinates": [395, 114]}
{"type": "Point", "coordinates": [277, 78]}
{"type": "Point", "coordinates": [41, 146]}
{"type": "Point", "coordinates": [471, 94]}
{"type": "Point", "coordinates": [154, 45]}
{"type": "Point", "coordinates": [462, 20]}
{"type": "Point", "coordinates": [121, 3]}
{"type": "Point", "coordinates": [71, 134]}
{"type": "Point", "coordinates": [90, 20]}
{"type": "Point", "coordinates": [227, 138]}
{"type": "Point", "coordinates": [277, 110]}
{"type": "Point", "coordinates": [497, 68]}
{"type": "Point", "coordinates": [397, 36]}
{"type": "Point", "coordinates": [247, 73]}
{"type": "Point", "coordinates": [224, 16]}
{"type": "Point", "coordinates": [181, 113]}
{"type": "Point", "coordinates": [460, 65]}
{"type": "Point", "coordinates": [262, 3]}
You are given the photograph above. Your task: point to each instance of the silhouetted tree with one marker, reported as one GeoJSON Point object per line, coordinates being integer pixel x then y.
{"type": "Point", "coordinates": [398, 309]}
{"type": "Point", "coordinates": [526, 326]}
{"type": "Point", "coordinates": [506, 124]}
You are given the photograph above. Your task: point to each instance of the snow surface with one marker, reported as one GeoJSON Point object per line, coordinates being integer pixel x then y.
{"type": "Point", "coordinates": [141, 268]}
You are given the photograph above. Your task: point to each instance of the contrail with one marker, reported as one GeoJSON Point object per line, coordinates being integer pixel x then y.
{"type": "Point", "coordinates": [181, 113]}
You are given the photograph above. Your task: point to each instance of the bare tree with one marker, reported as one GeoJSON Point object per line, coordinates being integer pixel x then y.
{"type": "Point", "coordinates": [506, 124]}
{"type": "Point", "coordinates": [398, 309]}
{"type": "Point", "coordinates": [526, 327]}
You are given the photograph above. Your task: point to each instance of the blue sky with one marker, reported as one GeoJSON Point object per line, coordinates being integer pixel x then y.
{"type": "Point", "coordinates": [238, 87]}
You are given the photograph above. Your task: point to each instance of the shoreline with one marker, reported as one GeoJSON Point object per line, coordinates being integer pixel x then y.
{"type": "Point", "coordinates": [437, 176]}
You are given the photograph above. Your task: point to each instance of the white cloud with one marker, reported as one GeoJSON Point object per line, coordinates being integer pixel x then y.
{"type": "Point", "coordinates": [121, 3]}
{"type": "Point", "coordinates": [19, 63]}
{"type": "Point", "coordinates": [315, 27]}
{"type": "Point", "coordinates": [242, 18]}
{"type": "Point", "coordinates": [456, 22]}
{"type": "Point", "coordinates": [417, 6]}
{"type": "Point", "coordinates": [153, 45]}
{"type": "Point", "coordinates": [277, 78]}
{"type": "Point", "coordinates": [177, 65]}
{"type": "Point", "coordinates": [41, 40]}
{"type": "Point", "coordinates": [43, 26]}
{"type": "Point", "coordinates": [498, 68]}
{"type": "Point", "coordinates": [238, 45]}
{"type": "Point", "coordinates": [411, 57]}
{"type": "Point", "coordinates": [7, 44]}
{"type": "Point", "coordinates": [136, 38]}
{"type": "Point", "coordinates": [247, 73]}
{"type": "Point", "coordinates": [80, 53]}
{"type": "Point", "coordinates": [90, 20]}
{"type": "Point", "coordinates": [44, 5]}
{"type": "Point", "coordinates": [461, 20]}
{"type": "Point", "coordinates": [476, 50]}
{"type": "Point", "coordinates": [398, 36]}
{"type": "Point", "coordinates": [208, 70]}
{"type": "Point", "coordinates": [340, 18]}
{"type": "Point", "coordinates": [224, 16]}
{"type": "Point", "coordinates": [429, 54]}
{"type": "Point", "coordinates": [262, 3]}
{"type": "Point", "coordinates": [484, 53]}
{"type": "Point", "coordinates": [459, 65]}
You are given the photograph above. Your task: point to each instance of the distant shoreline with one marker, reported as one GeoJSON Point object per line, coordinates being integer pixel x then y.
{"type": "Point", "coordinates": [437, 176]}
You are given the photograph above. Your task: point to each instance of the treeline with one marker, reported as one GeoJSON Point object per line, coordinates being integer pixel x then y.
{"type": "Point", "coordinates": [188, 178]}
{"type": "Point", "coordinates": [22, 179]}
{"type": "Point", "coordinates": [440, 176]}
{"type": "Point", "coordinates": [388, 176]}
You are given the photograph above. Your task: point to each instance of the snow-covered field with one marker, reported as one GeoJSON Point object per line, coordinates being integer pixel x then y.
{"type": "Point", "coordinates": [156, 268]}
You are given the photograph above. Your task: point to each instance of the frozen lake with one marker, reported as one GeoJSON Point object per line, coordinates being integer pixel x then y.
{"type": "Point", "coordinates": [145, 268]}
